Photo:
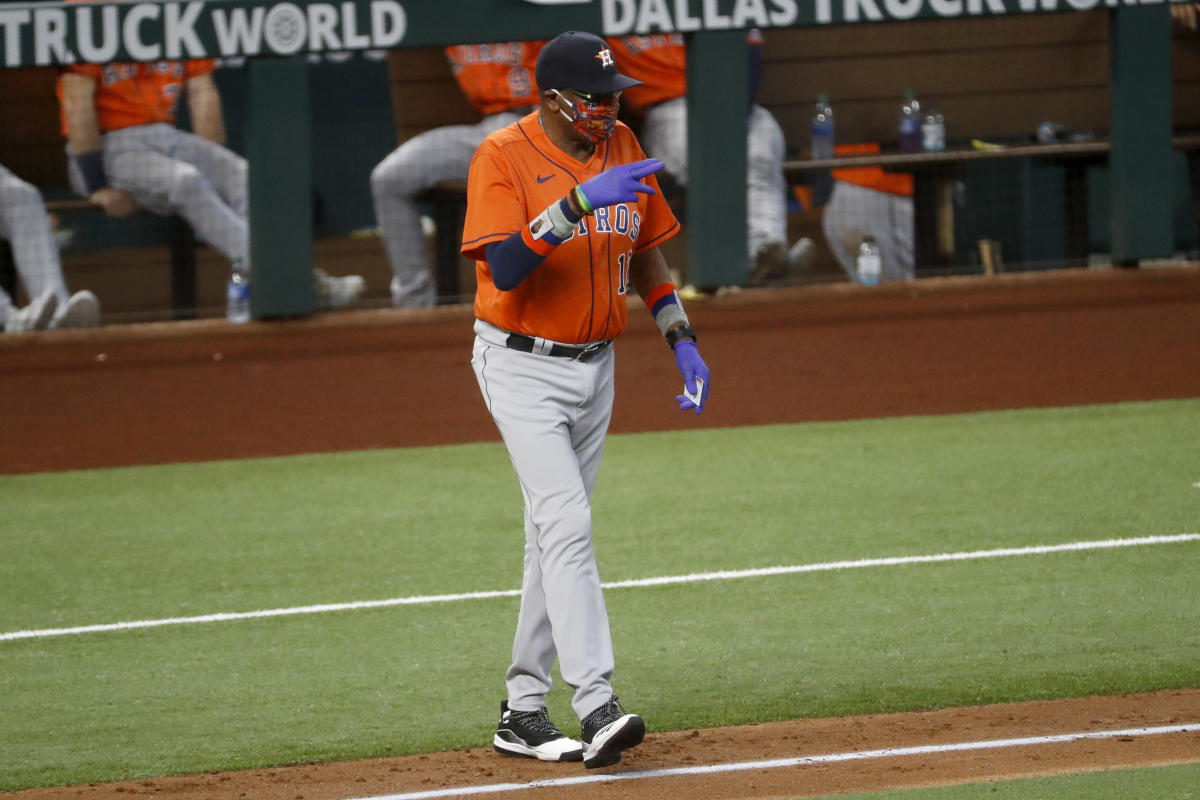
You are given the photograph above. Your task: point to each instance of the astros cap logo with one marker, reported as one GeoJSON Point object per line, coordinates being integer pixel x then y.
{"type": "Point", "coordinates": [606, 59]}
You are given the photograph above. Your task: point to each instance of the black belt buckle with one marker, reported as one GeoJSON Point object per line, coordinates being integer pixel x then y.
{"type": "Point", "coordinates": [587, 353]}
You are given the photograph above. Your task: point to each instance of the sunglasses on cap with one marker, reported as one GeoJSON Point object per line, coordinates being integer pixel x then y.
{"type": "Point", "coordinates": [596, 98]}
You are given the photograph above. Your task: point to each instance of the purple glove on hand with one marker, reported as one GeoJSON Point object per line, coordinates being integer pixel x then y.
{"type": "Point", "coordinates": [619, 184]}
{"type": "Point", "coordinates": [695, 376]}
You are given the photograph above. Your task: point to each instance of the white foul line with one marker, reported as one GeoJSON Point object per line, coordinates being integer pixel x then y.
{"type": "Point", "coordinates": [722, 575]}
{"type": "Point", "coordinates": [778, 763]}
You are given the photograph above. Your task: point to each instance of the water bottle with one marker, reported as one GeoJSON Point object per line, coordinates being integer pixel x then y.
{"type": "Point", "coordinates": [933, 131]}
{"type": "Point", "coordinates": [868, 263]}
{"type": "Point", "coordinates": [910, 123]}
{"type": "Point", "coordinates": [237, 294]}
{"type": "Point", "coordinates": [822, 147]}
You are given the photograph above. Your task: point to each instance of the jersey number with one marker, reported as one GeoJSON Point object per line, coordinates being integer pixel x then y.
{"type": "Point", "coordinates": [623, 262]}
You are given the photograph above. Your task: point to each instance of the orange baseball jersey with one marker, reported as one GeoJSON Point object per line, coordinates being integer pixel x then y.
{"type": "Point", "coordinates": [129, 94]}
{"type": "Point", "coordinates": [496, 77]}
{"type": "Point", "coordinates": [577, 294]}
{"type": "Point", "coordinates": [899, 183]}
{"type": "Point", "coordinates": [658, 61]}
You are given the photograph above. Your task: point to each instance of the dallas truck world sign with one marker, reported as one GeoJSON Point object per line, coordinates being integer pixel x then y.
{"type": "Point", "coordinates": [46, 33]}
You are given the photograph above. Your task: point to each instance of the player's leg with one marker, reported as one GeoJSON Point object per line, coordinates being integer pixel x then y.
{"type": "Point", "coordinates": [854, 212]}
{"type": "Point", "coordinates": [561, 590]}
{"type": "Point", "coordinates": [770, 256]}
{"type": "Point", "coordinates": [766, 188]}
{"type": "Point", "coordinates": [845, 221]}
{"type": "Point", "coordinates": [442, 154]}
{"type": "Point", "coordinates": [898, 236]}
{"type": "Point", "coordinates": [136, 161]}
{"type": "Point", "coordinates": [227, 172]}
{"type": "Point", "coordinates": [224, 169]}
{"type": "Point", "coordinates": [26, 225]}
{"type": "Point", "coordinates": [664, 136]}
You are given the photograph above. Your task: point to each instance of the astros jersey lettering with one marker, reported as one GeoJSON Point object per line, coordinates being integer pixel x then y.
{"type": "Point", "coordinates": [129, 94]}
{"type": "Point", "coordinates": [578, 294]}
{"type": "Point", "coordinates": [496, 77]}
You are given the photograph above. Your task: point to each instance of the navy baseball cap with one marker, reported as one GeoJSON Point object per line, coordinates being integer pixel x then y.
{"type": "Point", "coordinates": [582, 61]}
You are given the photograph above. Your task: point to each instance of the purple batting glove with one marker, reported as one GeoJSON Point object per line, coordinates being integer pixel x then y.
{"type": "Point", "coordinates": [619, 184]}
{"type": "Point", "coordinates": [695, 376]}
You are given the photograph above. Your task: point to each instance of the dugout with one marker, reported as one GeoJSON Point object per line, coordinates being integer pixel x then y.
{"type": "Point", "coordinates": [994, 78]}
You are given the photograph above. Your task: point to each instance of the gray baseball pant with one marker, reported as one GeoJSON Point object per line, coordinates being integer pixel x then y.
{"type": "Point", "coordinates": [26, 225]}
{"type": "Point", "coordinates": [664, 136]}
{"type": "Point", "coordinates": [168, 171]}
{"type": "Point", "coordinates": [553, 415]}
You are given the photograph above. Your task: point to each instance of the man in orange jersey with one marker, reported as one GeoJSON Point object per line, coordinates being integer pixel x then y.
{"type": "Point", "coordinates": [867, 201]}
{"type": "Point", "coordinates": [562, 227]}
{"type": "Point", "coordinates": [498, 80]}
{"type": "Point", "coordinates": [125, 153]}
{"type": "Point", "coordinates": [660, 63]}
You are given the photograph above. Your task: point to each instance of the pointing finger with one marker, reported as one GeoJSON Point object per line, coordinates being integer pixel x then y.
{"type": "Point", "coordinates": [641, 169]}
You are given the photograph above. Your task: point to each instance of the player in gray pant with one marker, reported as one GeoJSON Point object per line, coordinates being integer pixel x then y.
{"type": "Point", "coordinates": [166, 170]}
{"type": "Point", "coordinates": [25, 224]}
{"type": "Point", "coordinates": [660, 62]}
{"type": "Point", "coordinates": [125, 153]}
{"type": "Point", "coordinates": [854, 212]}
{"type": "Point", "coordinates": [498, 81]}
{"type": "Point", "coordinates": [442, 154]}
{"type": "Point", "coordinates": [664, 135]}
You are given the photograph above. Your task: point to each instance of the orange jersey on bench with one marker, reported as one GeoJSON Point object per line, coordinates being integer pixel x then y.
{"type": "Point", "coordinates": [898, 183]}
{"type": "Point", "coordinates": [578, 294]}
{"type": "Point", "coordinates": [658, 61]}
{"type": "Point", "coordinates": [129, 94]}
{"type": "Point", "coordinates": [496, 77]}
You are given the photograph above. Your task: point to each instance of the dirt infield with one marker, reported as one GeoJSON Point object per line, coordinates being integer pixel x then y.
{"type": "Point", "coordinates": [125, 395]}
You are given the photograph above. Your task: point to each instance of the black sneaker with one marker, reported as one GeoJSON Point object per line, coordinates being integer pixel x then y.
{"type": "Point", "coordinates": [531, 734]}
{"type": "Point", "coordinates": [607, 731]}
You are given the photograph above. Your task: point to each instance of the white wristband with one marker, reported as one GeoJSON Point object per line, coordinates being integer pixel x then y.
{"type": "Point", "coordinates": [669, 315]}
{"type": "Point", "coordinates": [552, 220]}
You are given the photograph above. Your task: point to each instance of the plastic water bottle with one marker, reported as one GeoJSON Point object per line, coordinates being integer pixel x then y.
{"type": "Point", "coordinates": [822, 147]}
{"type": "Point", "coordinates": [933, 131]}
{"type": "Point", "coordinates": [910, 123]}
{"type": "Point", "coordinates": [237, 294]}
{"type": "Point", "coordinates": [868, 263]}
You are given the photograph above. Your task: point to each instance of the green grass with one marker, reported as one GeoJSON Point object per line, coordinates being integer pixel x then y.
{"type": "Point", "coordinates": [182, 540]}
{"type": "Point", "coordinates": [1161, 783]}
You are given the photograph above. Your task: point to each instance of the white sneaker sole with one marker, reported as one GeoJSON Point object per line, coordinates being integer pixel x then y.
{"type": "Point", "coordinates": [606, 746]}
{"type": "Point", "coordinates": [564, 749]}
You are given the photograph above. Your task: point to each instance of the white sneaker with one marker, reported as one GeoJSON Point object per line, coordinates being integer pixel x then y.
{"type": "Point", "coordinates": [531, 734]}
{"type": "Point", "coordinates": [334, 293]}
{"type": "Point", "coordinates": [82, 310]}
{"type": "Point", "coordinates": [34, 317]}
{"type": "Point", "coordinates": [423, 296]}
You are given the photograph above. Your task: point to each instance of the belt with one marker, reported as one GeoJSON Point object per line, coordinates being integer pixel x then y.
{"type": "Point", "coordinates": [519, 341]}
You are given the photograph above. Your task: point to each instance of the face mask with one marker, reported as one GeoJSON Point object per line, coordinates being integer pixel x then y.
{"type": "Point", "coordinates": [594, 115]}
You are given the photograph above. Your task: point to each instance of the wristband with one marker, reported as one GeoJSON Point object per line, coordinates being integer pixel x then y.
{"type": "Point", "coordinates": [682, 332]}
{"type": "Point", "coordinates": [664, 303]}
{"type": "Point", "coordinates": [91, 168]}
{"type": "Point", "coordinates": [556, 224]}
{"type": "Point", "coordinates": [581, 198]}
